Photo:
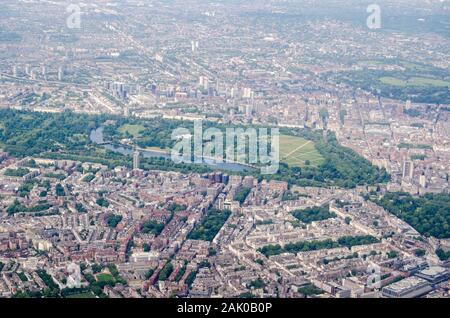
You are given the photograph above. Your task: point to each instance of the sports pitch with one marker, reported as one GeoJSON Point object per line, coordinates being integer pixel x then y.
{"type": "Point", "coordinates": [295, 151]}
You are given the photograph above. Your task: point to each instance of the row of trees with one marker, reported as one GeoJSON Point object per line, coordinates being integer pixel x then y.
{"type": "Point", "coordinates": [17, 207]}
{"type": "Point", "coordinates": [27, 133]}
{"type": "Point", "coordinates": [428, 214]}
{"type": "Point", "coordinates": [306, 246]}
{"type": "Point", "coordinates": [210, 225]}
{"type": "Point", "coordinates": [20, 172]}
{"type": "Point", "coordinates": [242, 194]}
{"type": "Point", "coordinates": [314, 214]}
{"type": "Point", "coordinates": [152, 227]}
{"type": "Point", "coordinates": [113, 220]}
{"type": "Point", "coordinates": [443, 255]}
{"type": "Point", "coordinates": [165, 272]}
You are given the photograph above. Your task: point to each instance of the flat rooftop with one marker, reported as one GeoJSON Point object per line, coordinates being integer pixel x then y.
{"type": "Point", "coordinates": [434, 271]}
{"type": "Point", "coordinates": [406, 284]}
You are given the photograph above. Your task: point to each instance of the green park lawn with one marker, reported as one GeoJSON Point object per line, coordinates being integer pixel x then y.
{"type": "Point", "coordinates": [414, 81]}
{"type": "Point", "coordinates": [133, 130]}
{"type": "Point", "coordinates": [108, 278]}
{"type": "Point", "coordinates": [295, 151]}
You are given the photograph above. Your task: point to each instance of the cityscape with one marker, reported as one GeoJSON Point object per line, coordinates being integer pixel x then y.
{"type": "Point", "coordinates": [225, 149]}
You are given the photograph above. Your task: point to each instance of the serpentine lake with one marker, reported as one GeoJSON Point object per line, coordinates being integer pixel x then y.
{"type": "Point", "coordinates": [96, 137]}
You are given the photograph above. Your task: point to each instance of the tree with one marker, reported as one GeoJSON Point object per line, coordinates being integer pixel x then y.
{"type": "Point", "coordinates": [211, 251]}
{"type": "Point", "coordinates": [102, 202]}
{"type": "Point", "coordinates": [165, 272]}
{"type": "Point", "coordinates": [191, 278]}
{"type": "Point", "coordinates": [305, 246]}
{"type": "Point", "coordinates": [313, 214]}
{"type": "Point", "coordinates": [443, 255]}
{"type": "Point", "coordinates": [96, 268]}
{"type": "Point", "coordinates": [419, 252]}
{"type": "Point", "coordinates": [257, 284]}
{"type": "Point", "coordinates": [323, 113]}
{"type": "Point", "coordinates": [242, 194]}
{"type": "Point", "coordinates": [80, 208]}
{"type": "Point", "coordinates": [210, 225]}
{"type": "Point", "coordinates": [149, 273]}
{"type": "Point", "coordinates": [60, 190]}
{"type": "Point", "coordinates": [310, 290]}
{"type": "Point", "coordinates": [428, 214]}
{"type": "Point", "coordinates": [392, 254]}
{"type": "Point", "coordinates": [113, 220]}
{"type": "Point", "coordinates": [152, 227]}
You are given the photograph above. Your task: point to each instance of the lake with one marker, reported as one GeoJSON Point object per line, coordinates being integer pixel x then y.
{"type": "Point", "coordinates": [96, 137]}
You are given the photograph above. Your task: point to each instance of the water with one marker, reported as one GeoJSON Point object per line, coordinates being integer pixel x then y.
{"type": "Point", "coordinates": [96, 137]}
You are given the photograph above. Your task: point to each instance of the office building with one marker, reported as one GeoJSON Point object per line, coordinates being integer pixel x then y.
{"type": "Point", "coordinates": [410, 287]}
{"type": "Point", "coordinates": [434, 274]}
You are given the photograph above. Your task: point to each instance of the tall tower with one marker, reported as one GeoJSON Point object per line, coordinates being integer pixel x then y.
{"type": "Point", "coordinates": [408, 169]}
{"type": "Point", "coordinates": [60, 73]}
{"type": "Point", "coordinates": [423, 181]}
{"type": "Point", "coordinates": [204, 82]}
{"type": "Point", "coordinates": [136, 160]}
{"type": "Point", "coordinates": [194, 45]}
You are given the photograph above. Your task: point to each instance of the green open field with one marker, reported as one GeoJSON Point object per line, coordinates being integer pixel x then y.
{"type": "Point", "coordinates": [414, 81]}
{"type": "Point", "coordinates": [295, 151]}
{"type": "Point", "coordinates": [105, 278]}
{"type": "Point", "coordinates": [133, 130]}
